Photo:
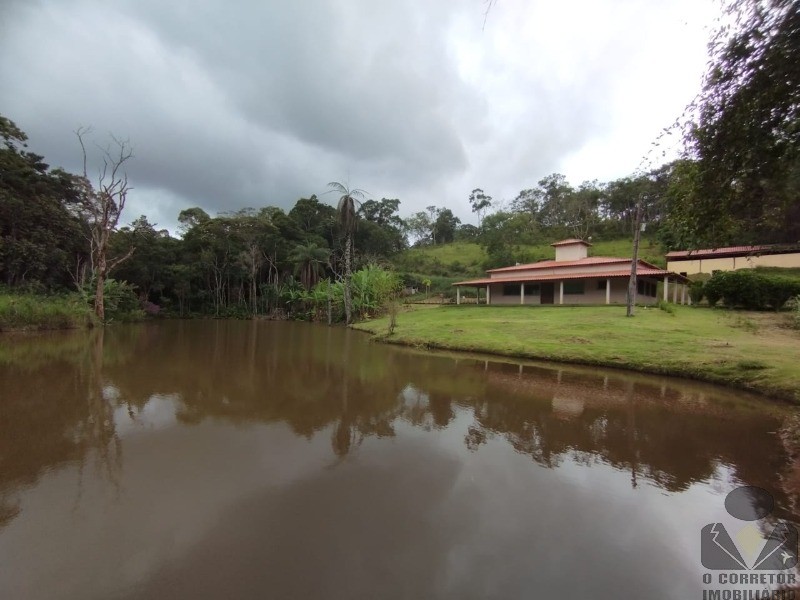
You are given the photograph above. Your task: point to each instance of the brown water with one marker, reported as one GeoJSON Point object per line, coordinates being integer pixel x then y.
{"type": "Point", "coordinates": [285, 460]}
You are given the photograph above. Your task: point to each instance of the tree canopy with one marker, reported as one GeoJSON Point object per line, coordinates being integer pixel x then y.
{"type": "Point", "coordinates": [746, 134]}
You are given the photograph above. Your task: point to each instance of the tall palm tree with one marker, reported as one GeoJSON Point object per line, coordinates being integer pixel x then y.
{"type": "Point", "coordinates": [307, 260]}
{"type": "Point", "coordinates": [348, 216]}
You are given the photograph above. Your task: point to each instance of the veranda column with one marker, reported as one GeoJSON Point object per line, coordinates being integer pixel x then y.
{"type": "Point", "coordinates": [683, 294]}
{"type": "Point", "coordinates": [561, 292]}
{"type": "Point", "coordinates": [522, 293]}
{"type": "Point", "coordinates": [675, 293]}
{"type": "Point", "coordinates": [666, 288]}
{"type": "Point", "coordinates": [488, 295]}
{"type": "Point", "coordinates": [458, 295]}
{"type": "Point", "coordinates": [608, 291]}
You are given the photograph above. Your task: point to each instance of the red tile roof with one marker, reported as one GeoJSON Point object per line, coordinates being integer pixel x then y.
{"type": "Point", "coordinates": [640, 272]}
{"type": "Point", "coordinates": [570, 241]}
{"type": "Point", "coordinates": [735, 250]}
{"type": "Point", "coordinates": [549, 264]}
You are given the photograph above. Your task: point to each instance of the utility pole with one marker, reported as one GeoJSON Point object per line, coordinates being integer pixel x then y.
{"type": "Point", "coordinates": [636, 235]}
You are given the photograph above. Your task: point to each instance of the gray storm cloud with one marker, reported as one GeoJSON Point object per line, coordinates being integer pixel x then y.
{"type": "Point", "coordinates": [240, 104]}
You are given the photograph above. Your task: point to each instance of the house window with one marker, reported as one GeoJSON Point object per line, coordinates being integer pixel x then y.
{"type": "Point", "coordinates": [574, 287]}
{"type": "Point", "coordinates": [601, 284]}
{"type": "Point", "coordinates": [511, 289]}
{"type": "Point", "coordinates": [531, 289]}
{"type": "Point", "coordinates": [645, 288]}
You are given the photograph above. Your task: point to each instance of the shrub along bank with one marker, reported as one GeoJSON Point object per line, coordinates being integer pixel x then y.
{"type": "Point", "coordinates": [371, 288]}
{"type": "Point", "coordinates": [747, 288]}
{"type": "Point", "coordinates": [21, 312]}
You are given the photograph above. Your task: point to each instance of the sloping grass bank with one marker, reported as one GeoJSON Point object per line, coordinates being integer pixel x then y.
{"type": "Point", "coordinates": [755, 351]}
{"type": "Point", "coordinates": [28, 312]}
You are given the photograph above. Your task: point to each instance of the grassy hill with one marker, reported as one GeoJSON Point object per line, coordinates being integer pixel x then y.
{"type": "Point", "coordinates": [465, 259]}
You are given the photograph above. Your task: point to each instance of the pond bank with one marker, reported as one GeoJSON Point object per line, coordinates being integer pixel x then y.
{"type": "Point", "coordinates": [748, 350]}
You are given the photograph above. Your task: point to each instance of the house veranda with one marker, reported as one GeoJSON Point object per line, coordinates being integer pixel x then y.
{"type": "Point", "coordinates": [573, 277]}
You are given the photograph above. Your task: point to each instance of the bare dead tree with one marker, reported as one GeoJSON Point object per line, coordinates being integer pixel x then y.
{"type": "Point", "coordinates": [102, 208]}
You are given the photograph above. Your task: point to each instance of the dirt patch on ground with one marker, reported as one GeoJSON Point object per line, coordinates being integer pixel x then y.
{"type": "Point", "coordinates": [780, 322]}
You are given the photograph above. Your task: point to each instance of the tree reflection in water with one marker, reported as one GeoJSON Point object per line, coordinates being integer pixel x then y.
{"type": "Point", "coordinates": [59, 405]}
{"type": "Point", "coordinates": [56, 409]}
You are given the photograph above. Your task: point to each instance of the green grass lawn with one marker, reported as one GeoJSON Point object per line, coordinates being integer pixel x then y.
{"type": "Point", "coordinates": [758, 351]}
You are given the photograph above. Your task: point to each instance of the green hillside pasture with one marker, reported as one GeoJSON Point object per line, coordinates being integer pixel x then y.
{"type": "Point", "coordinates": [464, 259]}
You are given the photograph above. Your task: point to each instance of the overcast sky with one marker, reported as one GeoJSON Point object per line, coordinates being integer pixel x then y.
{"type": "Point", "coordinates": [235, 104]}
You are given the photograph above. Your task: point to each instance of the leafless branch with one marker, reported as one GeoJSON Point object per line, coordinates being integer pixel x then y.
{"type": "Point", "coordinates": [489, 4]}
{"type": "Point", "coordinates": [112, 264]}
{"type": "Point", "coordinates": [103, 207]}
{"type": "Point", "coordinates": [80, 132]}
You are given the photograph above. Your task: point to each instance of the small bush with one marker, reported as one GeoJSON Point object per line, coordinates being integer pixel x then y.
{"type": "Point", "coordinates": [121, 302]}
{"type": "Point", "coordinates": [151, 309]}
{"type": "Point", "coordinates": [696, 292]}
{"type": "Point", "coordinates": [666, 307]}
{"type": "Point", "coordinates": [712, 291]}
{"type": "Point", "coordinates": [751, 289]}
{"type": "Point", "coordinates": [27, 311]}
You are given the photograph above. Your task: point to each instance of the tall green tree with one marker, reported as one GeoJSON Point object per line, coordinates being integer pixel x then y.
{"type": "Point", "coordinates": [347, 210]}
{"type": "Point", "coordinates": [419, 225]}
{"type": "Point", "coordinates": [314, 218]}
{"type": "Point", "coordinates": [147, 268]}
{"type": "Point", "coordinates": [480, 203]}
{"type": "Point", "coordinates": [192, 217]}
{"type": "Point", "coordinates": [41, 239]}
{"type": "Point", "coordinates": [553, 195]}
{"type": "Point", "coordinates": [381, 232]}
{"type": "Point", "coordinates": [445, 225]}
{"type": "Point", "coordinates": [746, 136]}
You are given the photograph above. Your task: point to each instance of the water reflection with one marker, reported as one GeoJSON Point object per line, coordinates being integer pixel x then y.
{"type": "Point", "coordinates": [67, 395]}
{"type": "Point", "coordinates": [54, 410]}
{"type": "Point", "coordinates": [237, 414]}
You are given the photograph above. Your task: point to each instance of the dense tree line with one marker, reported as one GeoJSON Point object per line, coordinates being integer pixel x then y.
{"type": "Point", "coordinates": [42, 236]}
{"type": "Point", "coordinates": [255, 261]}
{"type": "Point", "coordinates": [738, 183]}
{"type": "Point", "coordinates": [58, 231]}
{"type": "Point", "coordinates": [555, 209]}
{"type": "Point", "coordinates": [267, 260]}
